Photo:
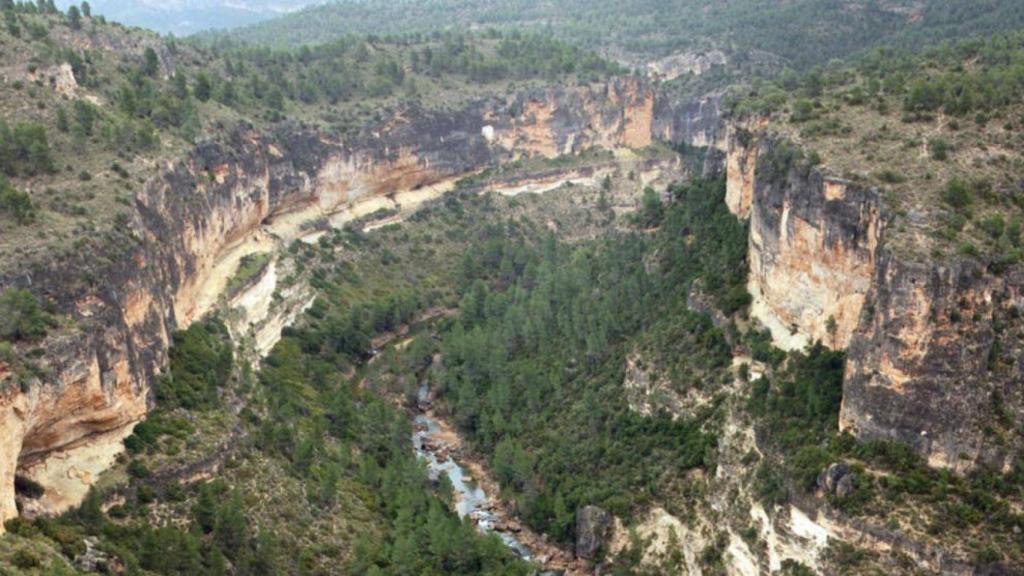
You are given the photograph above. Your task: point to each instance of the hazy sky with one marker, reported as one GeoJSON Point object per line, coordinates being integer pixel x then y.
{"type": "Point", "coordinates": [183, 17]}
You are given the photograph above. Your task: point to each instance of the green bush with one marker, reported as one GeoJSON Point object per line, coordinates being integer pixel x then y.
{"type": "Point", "coordinates": [652, 211]}
{"type": "Point", "coordinates": [26, 560]}
{"type": "Point", "coordinates": [957, 194]}
{"type": "Point", "coordinates": [138, 469]}
{"type": "Point", "coordinates": [201, 363]}
{"type": "Point", "coordinates": [803, 110]}
{"type": "Point", "coordinates": [15, 203]}
{"type": "Point", "coordinates": [24, 150]}
{"type": "Point", "coordinates": [21, 317]}
{"type": "Point", "coordinates": [994, 226]}
{"type": "Point", "coordinates": [890, 177]}
{"type": "Point", "coordinates": [250, 266]}
{"type": "Point", "coordinates": [939, 149]}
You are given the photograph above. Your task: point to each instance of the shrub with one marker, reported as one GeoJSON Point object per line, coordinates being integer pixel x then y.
{"type": "Point", "coordinates": [890, 177]}
{"type": "Point", "coordinates": [803, 110]}
{"type": "Point", "coordinates": [24, 150]}
{"type": "Point", "coordinates": [21, 317]}
{"type": "Point", "coordinates": [939, 149]}
{"type": "Point", "coordinates": [652, 210]}
{"type": "Point", "coordinates": [957, 194]}
{"type": "Point", "coordinates": [994, 225]}
{"type": "Point", "coordinates": [968, 249]}
{"type": "Point", "coordinates": [15, 203]}
{"type": "Point", "coordinates": [25, 560]}
{"type": "Point", "coordinates": [138, 469]}
{"type": "Point", "coordinates": [249, 267]}
{"type": "Point", "coordinates": [201, 362]}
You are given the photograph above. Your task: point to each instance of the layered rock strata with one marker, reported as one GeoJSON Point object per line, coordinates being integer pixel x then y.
{"type": "Point", "coordinates": [167, 263]}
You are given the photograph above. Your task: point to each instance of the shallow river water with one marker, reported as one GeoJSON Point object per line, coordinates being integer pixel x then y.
{"type": "Point", "coordinates": [471, 500]}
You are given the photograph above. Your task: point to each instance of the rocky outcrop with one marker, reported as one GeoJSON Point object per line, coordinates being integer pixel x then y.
{"type": "Point", "coordinates": [936, 363]}
{"type": "Point", "coordinates": [692, 62]}
{"type": "Point", "coordinates": [593, 528]}
{"type": "Point", "coordinates": [624, 112]}
{"type": "Point", "coordinates": [933, 360]}
{"type": "Point", "coordinates": [168, 262]}
{"type": "Point", "coordinates": [742, 144]}
{"type": "Point", "coordinates": [814, 244]}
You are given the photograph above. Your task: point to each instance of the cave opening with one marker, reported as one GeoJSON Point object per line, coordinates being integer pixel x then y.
{"type": "Point", "coordinates": [25, 487]}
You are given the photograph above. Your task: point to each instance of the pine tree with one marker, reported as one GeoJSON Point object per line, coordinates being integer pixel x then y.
{"type": "Point", "coordinates": [15, 203]}
{"type": "Point", "coordinates": [231, 533]}
{"type": "Point", "coordinates": [74, 18]}
{"type": "Point", "coordinates": [202, 89]}
{"type": "Point", "coordinates": [180, 86]}
{"type": "Point", "coordinates": [62, 120]}
{"type": "Point", "coordinates": [151, 63]}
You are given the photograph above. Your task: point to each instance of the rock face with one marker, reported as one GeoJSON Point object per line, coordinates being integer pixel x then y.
{"type": "Point", "coordinates": [813, 246]}
{"type": "Point", "coordinates": [694, 62]}
{"type": "Point", "coordinates": [937, 364]}
{"type": "Point", "coordinates": [932, 359]}
{"type": "Point", "coordinates": [593, 527]}
{"type": "Point", "coordinates": [166, 265]}
{"type": "Point", "coordinates": [742, 144]}
{"type": "Point", "coordinates": [622, 112]}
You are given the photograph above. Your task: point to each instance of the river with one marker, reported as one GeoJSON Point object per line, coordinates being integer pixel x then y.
{"type": "Point", "coordinates": [470, 498]}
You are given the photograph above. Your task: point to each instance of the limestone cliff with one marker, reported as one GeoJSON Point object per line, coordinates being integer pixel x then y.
{"type": "Point", "coordinates": [166, 265]}
{"type": "Point", "coordinates": [936, 363]}
{"type": "Point", "coordinates": [814, 241]}
{"type": "Point", "coordinates": [932, 358]}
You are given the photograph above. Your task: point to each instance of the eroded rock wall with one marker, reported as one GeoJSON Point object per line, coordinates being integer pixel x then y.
{"type": "Point", "coordinates": [937, 365]}
{"type": "Point", "coordinates": [742, 144]}
{"type": "Point", "coordinates": [166, 264]}
{"type": "Point", "coordinates": [624, 112]}
{"type": "Point", "coordinates": [933, 359]}
{"type": "Point", "coordinates": [814, 243]}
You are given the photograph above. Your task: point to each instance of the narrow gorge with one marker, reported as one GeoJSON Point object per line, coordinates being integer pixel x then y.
{"type": "Point", "coordinates": [192, 223]}
{"type": "Point", "coordinates": [928, 347]}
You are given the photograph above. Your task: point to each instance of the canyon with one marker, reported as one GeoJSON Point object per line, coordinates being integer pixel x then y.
{"type": "Point", "coordinates": [192, 224]}
{"type": "Point", "coordinates": [819, 271]}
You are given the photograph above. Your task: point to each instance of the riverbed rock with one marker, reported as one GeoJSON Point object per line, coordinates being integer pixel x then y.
{"type": "Point", "coordinates": [829, 478]}
{"type": "Point", "coordinates": [593, 525]}
{"type": "Point", "coordinates": [95, 560]}
{"type": "Point", "coordinates": [847, 484]}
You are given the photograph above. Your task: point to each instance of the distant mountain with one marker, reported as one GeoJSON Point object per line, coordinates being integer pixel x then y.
{"type": "Point", "coordinates": [183, 17]}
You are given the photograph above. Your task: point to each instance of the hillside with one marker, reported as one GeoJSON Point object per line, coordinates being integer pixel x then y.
{"type": "Point", "coordinates": [937, 133]}
{"type": "Point", "coordinates": [184, 17]}
{"type": "Point", "coordinates": [802, 33]}
{"type": "Point", "coordinates": [102, 107]}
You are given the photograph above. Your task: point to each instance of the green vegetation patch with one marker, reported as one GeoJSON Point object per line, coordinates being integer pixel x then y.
{"type": "Point", "coordinates": [250, 267]}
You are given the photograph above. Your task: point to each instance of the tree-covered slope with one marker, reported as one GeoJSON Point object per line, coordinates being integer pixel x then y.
{"type": "Point", "coordinates": [803, 32]}
{"type": "Point", "coordinates": [181, 17]}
